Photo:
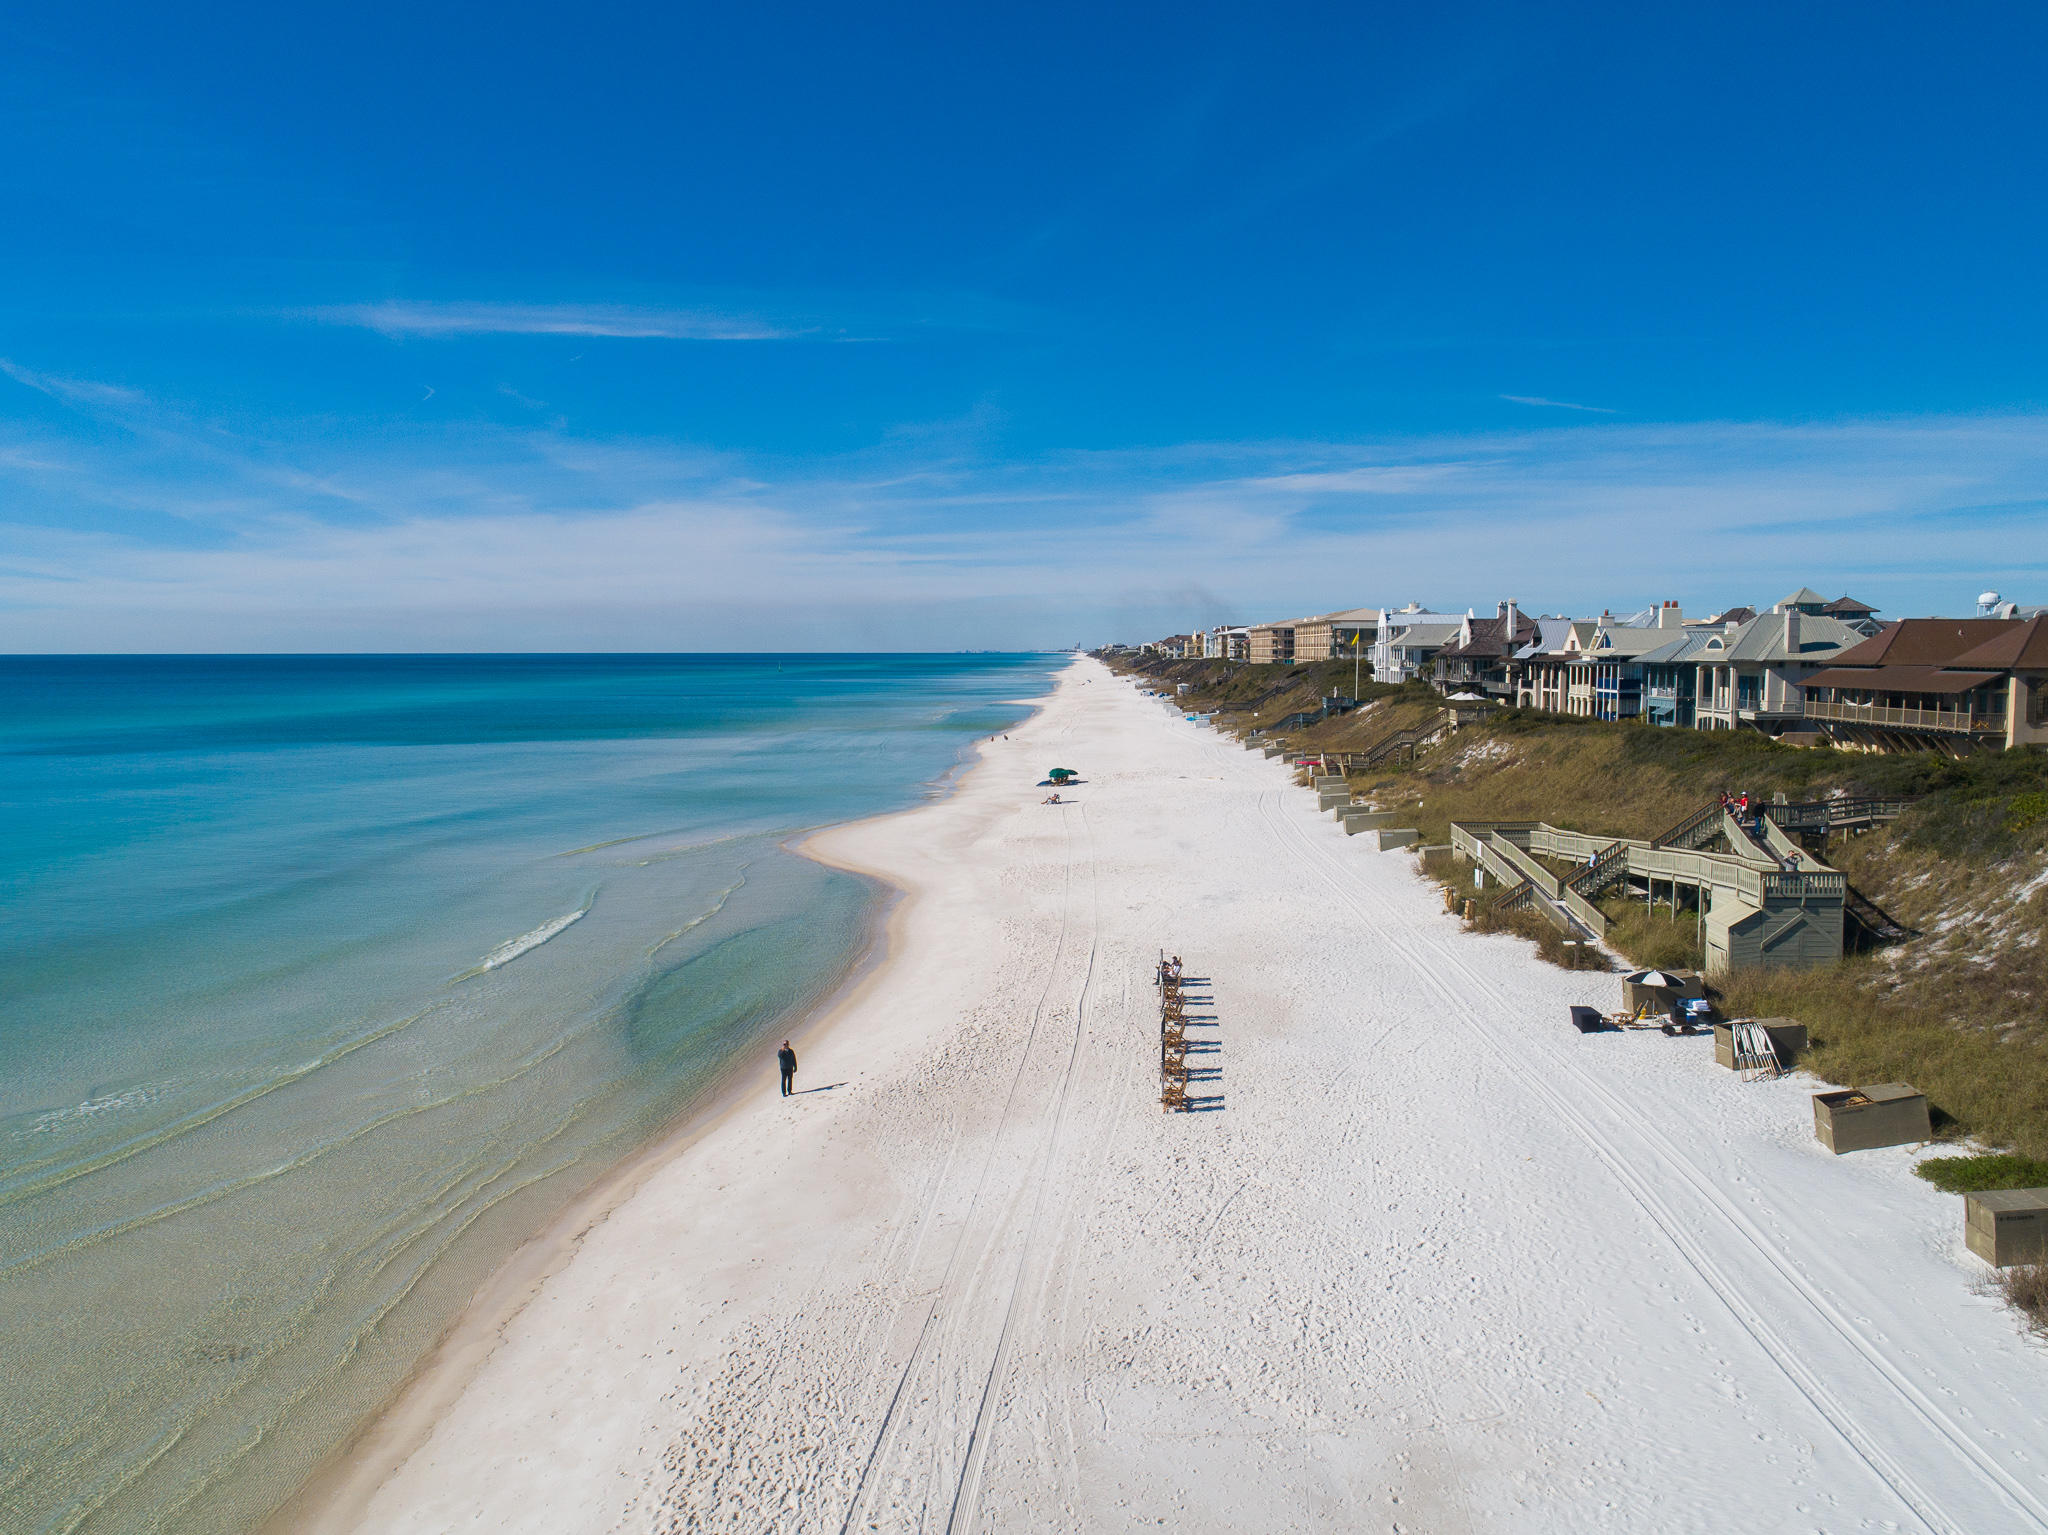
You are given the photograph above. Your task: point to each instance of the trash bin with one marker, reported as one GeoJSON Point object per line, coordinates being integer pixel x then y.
{"type": "Point", "coordinates": [1864, 1118]}
{"type": "Point", "coordinates": [2007, 1226]}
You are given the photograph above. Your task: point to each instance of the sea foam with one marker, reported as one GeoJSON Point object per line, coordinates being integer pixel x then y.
{"type": "Point", "coordinates": [510, 950]}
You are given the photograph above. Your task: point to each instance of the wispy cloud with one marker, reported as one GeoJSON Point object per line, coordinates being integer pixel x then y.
{"type": "Point", "coordinates": [502, 536]}
{"type": "Point", "coordinates": [399, 318]}
{"type": "Point", "coordinates": [72, 391]}
{"type": "Point", "coordinates": [1537, 399]}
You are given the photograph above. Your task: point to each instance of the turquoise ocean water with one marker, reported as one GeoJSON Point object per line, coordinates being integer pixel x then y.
{"type": "Point", "coordinates": [324, 981]}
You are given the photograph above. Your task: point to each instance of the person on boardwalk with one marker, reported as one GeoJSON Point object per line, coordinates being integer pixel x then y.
{"type": "Point", "coordinates": [786, 1057]}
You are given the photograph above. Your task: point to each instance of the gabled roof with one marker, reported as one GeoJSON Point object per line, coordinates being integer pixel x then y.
{"type": "Point", "coordinates": [2021, 644]}
{"type": "Point", "coordinates": [1732, 616]}
{"type": "Point", "coordinates": [1550, 636]}
{"type": "Point", "coordinates": [1925, 641]}
{"type": "Point", "coordinates": [1439, 632]}
{"type": "Point", "coordinates": [1690, 646]}
{"type": "Point", "coordinates": [1490, 637]}
{"type": "Point", "coordinates": [1625, 642]}
{"type": "Point", "coordinates": [1763, 639]}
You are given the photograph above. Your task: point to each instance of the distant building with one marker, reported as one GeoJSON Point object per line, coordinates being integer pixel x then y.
{"type": "Point", "coordinates": [1226, 642]}
{"type": "Point", "coordinates": [1860, 616]}
{"type": "Point", "coordinates": [1270, 644]}
{"type": "Point", "coordinates": [1336, 636]}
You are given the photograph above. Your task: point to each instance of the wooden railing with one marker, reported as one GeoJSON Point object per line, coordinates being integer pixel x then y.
{"type": "Point", "coordinates": [1947, 721]}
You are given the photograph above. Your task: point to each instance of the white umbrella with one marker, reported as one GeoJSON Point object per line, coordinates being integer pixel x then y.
{"type": "Point", "coordinates": [1652, 978]}
{"type": "Point", "coordinates": [1467, 698]}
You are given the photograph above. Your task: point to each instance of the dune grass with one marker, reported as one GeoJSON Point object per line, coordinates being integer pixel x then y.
{"type": "Point", "coordinates": [2024, 1287]}
{"type": "Point", "coordinates": [1978, 1175]}
{"type": "Point", "coordinates": [1982, 1082]}
{"type": "Point", "coordinates": [1653, 939]}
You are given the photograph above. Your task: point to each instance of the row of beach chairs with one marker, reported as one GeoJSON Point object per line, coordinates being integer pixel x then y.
{"type": "Point", "coordinates": [1173, 1044]}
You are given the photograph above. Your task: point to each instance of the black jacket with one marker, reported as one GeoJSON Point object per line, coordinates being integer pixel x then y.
{"type": "Point", "coordinates": [787, 1057]}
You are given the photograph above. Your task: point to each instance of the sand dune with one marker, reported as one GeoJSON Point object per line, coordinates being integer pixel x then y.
{"type": "Point", "coordinates": [1433, 1262]}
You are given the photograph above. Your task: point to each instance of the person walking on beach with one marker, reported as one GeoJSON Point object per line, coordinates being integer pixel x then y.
{"type": "Point", "coordinates": [786, 1057]}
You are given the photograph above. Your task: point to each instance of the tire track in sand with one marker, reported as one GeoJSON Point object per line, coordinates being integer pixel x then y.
{"type": "Point", "coordinates": [1527, 1066]}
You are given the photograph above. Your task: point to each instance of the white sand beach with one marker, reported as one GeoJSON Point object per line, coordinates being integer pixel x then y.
{"type": "Point", "coordinates": [1433, 1262]}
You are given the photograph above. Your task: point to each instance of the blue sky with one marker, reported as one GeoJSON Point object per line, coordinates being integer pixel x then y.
{"type": "Point", "coordinates": [383, 327]}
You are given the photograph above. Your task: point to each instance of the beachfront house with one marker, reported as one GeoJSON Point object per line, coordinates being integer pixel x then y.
{"type": "Point", "coordinates": [1543, 681]}
{"type": "Point", "coordinates": [1945, 684]}
{"type": "Point", "coordinates": [1406, 641]}
{"type": "Point", "coordinates": [1670, 678]}
{"type": "Point", "coordinates": [1479, 659]}
{"type": "Point", "coordinates": [1614, 657]}
{"type": "Point", "coordinates": [1749, 674]}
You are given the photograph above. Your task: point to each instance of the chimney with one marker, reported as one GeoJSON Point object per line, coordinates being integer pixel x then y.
{"type": "Point", "coordinates": [1509, 611]}
{"type": "Point", "coordinates": [1791, 631]}
{"type": "Point", "coordinates": [1670, 616]}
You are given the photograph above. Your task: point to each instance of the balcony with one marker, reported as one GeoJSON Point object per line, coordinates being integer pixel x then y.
{"type": "Point", "coordinates": [1962, 722]}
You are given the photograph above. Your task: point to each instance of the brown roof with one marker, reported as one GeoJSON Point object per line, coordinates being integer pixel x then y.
{"type": "Point", "coordinates": [1898, 679]}
{"type": "Point", "coordinates": [1847, 607]}
{"type": "Point", "coordinates": [1924, 641]}
{"type": "Point", "coordinates": [1489, 636]}
{"type": "Point", "coordinates": [2023, 644]}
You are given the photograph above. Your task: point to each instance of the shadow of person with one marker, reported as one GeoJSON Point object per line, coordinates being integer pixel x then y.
{"type": "Point", "coordinates": [825, 1089]}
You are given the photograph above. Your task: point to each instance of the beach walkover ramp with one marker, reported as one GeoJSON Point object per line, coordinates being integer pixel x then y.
{"type": "Point", "coordinates": [1438, 1262]}
{"type": "Point", "coordinates": [1766, 901]}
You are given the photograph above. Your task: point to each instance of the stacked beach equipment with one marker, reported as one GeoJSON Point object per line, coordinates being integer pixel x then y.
{"type": "Point", "coordinates": [1173, 1044]}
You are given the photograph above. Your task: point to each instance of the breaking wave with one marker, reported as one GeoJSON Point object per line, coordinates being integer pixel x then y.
{"type": "Point", "coordinates": [510, 950]}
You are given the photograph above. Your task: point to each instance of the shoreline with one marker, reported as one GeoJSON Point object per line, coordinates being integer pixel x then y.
{"type": "Point", "coordinates": [335, 1495]}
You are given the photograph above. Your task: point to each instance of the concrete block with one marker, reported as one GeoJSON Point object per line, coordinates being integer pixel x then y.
{"type": "Point", "coordinates": [1363, 818]}
{"type": "Point", "coordinates": [1332, 799]}
{"type": "Point", "coordinates": [1788, 1038]}
{"type": "Point", "coordinates": [1387, 838]}
{"type": "Point", "coordinates": [1863, 1118]}
{"type": "Point", "coordinates": [2007, 1226]}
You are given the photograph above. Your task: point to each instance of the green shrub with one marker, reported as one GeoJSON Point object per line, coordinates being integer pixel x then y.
{"type": "Point", "coordinates": [2026, 810]}
{"type": "Point", "coordinates": [1975, 1175]}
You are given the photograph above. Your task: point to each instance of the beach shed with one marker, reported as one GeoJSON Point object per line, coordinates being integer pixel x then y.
{"type": "Point", "coordinates": [2007, 1226]}
{"type": "Point", "coordinates": [1864, 1118]}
